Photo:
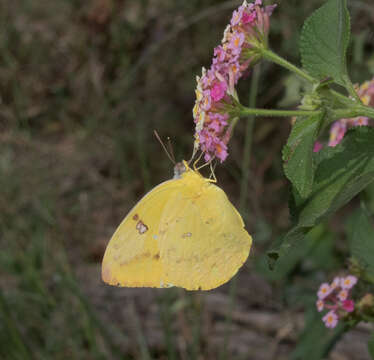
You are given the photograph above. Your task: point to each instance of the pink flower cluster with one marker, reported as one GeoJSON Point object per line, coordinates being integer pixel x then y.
{"type": "Point", "coordinates": [335, 298]}
{"type": "Point", "coordinates": [340, 127]}
{"type": "Point", "coordinates": [215, 91]}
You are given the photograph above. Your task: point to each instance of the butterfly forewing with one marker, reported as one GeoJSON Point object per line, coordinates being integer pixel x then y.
{"type": "Point", "coordinates": [132, 257]}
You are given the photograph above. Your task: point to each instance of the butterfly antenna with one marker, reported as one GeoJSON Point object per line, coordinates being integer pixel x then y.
{"type": "Point", "coordinates": [171, 150]}
{"type": "Point", "coordinates": [164, 147]}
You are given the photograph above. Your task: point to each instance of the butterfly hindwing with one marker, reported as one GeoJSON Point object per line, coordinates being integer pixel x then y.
{"type": "Point", "coordinates": [203, 242]}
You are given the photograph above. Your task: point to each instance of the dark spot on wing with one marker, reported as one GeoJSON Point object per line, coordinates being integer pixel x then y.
{"type": "Point", "coordinates": [135, 217]}
{"type": "Point", "coordinates": [156, 257]}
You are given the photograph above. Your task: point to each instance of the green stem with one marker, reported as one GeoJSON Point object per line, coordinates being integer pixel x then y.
{"type": "Point", "coordinates": [342, 98]}
{"type": "Point", "coordinates": [271, 56]}
{"type": "Point", "coordinates": [244, 111]}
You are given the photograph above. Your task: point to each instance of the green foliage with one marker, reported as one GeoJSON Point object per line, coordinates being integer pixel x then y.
{"type": "Point", "coordinates": [341, 173]}
{"type": "Point", "coordinates": [361, 239]}
{"type": "Point", "coordinates": [317, 248]}
{"type": "Point", "coordinates": [298, 153]}
{"type": "Point", "coordinates": [324, 41]}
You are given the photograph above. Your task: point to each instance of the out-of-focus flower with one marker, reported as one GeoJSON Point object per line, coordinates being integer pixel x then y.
{"type": "Point", "coordinates": [324, 291]}
{"type": "Point", "coordinates": [330, 319]}
{"type": "Point", "coordinates": [339, 128]}
{"type": "Point", "coordinates": [336, 298]}
{"type": "Point", "coordinates": [337, 132]}
{"type": "Point", "coordinates": [343, 294]}
{"type": "Point", "coordinates": [336, 282]}
{"type": "Point", "coordinates": [317, 146]}
{"type": "Point", "coordinates": [348, 282]}
{"type": "Point", "coordinates": [348, 305]}
{"type": "Point", "coordinates": [320, 305]}
{"type": "Point", "coordinates": [216, 99]}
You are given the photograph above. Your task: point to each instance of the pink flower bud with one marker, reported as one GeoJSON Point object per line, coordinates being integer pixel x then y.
{"type": "Point", "coordinates": [348, 305]}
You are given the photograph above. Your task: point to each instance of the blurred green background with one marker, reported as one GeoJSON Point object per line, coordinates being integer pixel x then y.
{"type": "Point", "coordinates": [82, 86]}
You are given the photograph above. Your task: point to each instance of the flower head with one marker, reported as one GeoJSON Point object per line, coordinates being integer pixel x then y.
{"type": "Point", "coordinates": [336, 298]}
{"type": "Point", "coordinates": [216, 97]}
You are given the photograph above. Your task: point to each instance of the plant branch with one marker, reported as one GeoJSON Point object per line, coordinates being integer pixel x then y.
{"type": "Point", "coordinates": [271, 56]}
{"type": "Point", "coordinates": [245, 111]}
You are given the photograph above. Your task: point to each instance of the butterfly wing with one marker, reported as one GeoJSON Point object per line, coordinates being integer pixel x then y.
{"type": "Point", "coordinates": [202, 239]}
{"type": "Point", "coordinates": [132, 257]}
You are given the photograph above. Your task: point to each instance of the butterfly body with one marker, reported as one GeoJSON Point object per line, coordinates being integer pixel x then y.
{"type": "Point", "coordinates": [184, 232]}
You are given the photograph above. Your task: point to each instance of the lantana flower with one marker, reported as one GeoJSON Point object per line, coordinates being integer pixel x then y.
{"type": "Point", "coordinates": [335, 297]}
{"type": "Point", "coordinates": [216, 98]}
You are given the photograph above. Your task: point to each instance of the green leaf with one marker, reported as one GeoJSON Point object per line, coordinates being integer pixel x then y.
{"type": "Point", "coordinates": [324, 41]}
{"type": "Point", "coordinates": [361, 240]}
{"type": "Point", "coordinates": [341, 173]}
{"type": "Point", "coordinates": [317, 248]}
{"type": "Point", "coordinates": [298, 153]}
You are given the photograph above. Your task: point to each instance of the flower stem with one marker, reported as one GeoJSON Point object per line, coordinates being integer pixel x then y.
{"type": "Point", "coordinates": [271, 56]}
{"type": "Point", "coordinates": [244, 111]}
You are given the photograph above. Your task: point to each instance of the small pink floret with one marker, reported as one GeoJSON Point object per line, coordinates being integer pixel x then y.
{"type": "Point", "coordinates": [320, 305]}
{"type": "Point", "coordinates": [237, 16]}
{"type": "Point", "coordinates": [336, 282]}
{"type": "Point", "coordinates": [348, 282]}
{"type": "Point", "coordinates": [343, 294]}
{"type": "Point", "coordinates": [249, 18]}
{"type": "Point", "coordinates": [236, 43]}
{"type": "Point", "coordinates": [221, 151]}
{"type": "Point", "coordinates": [337, 132]}
{"type": "Point", "coordinates": [269, 9]}
{"type": "Point", "coordinates": [330, 319]}
{"type": "Point", "coordinates": [348, 305]}
{"type": "Point", "coordinates": [324, 291]}
{"type": "Point", "coordinates": [218, 91]}
{"type": "Point", "coordinates": [317, 146]}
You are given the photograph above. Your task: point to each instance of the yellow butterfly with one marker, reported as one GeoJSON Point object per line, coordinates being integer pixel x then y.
{"type": "Point", "coordinates": [184, 232]}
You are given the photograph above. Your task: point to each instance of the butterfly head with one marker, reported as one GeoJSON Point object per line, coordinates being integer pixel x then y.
{"type": "Point", "coordinates": [180, 168]}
